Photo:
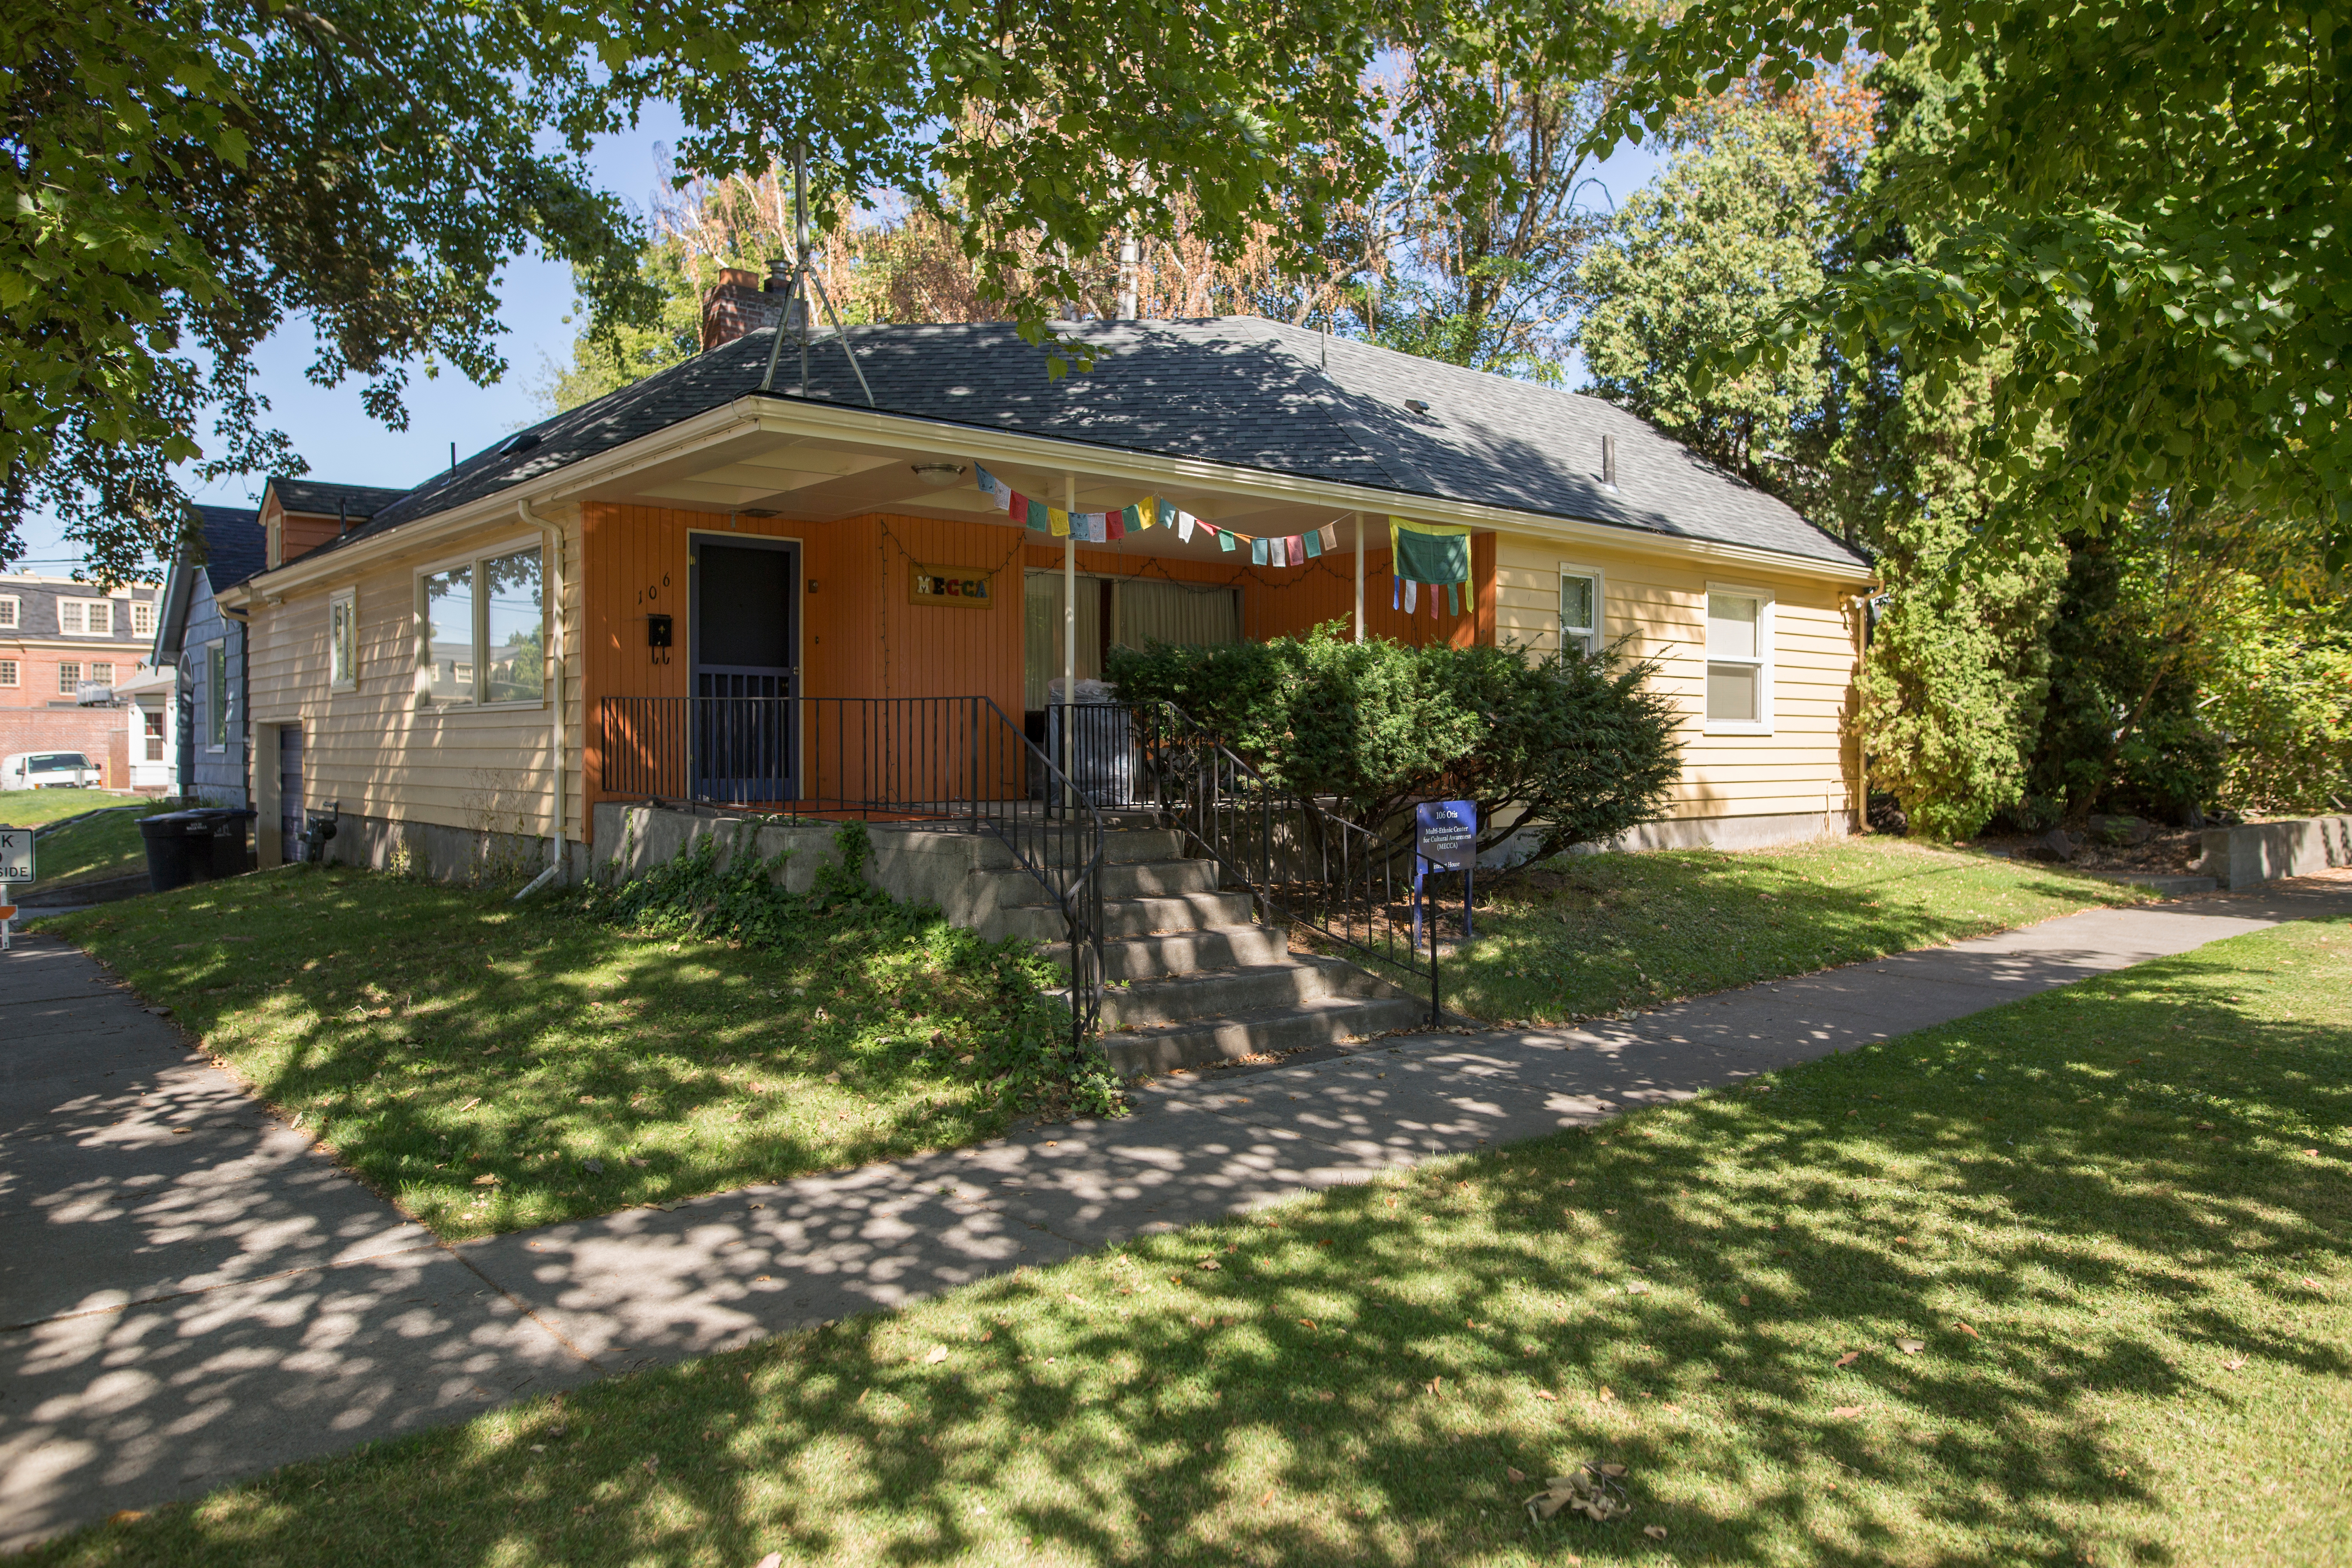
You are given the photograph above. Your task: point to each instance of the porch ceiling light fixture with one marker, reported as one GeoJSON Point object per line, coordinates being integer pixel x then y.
{"type": "Point", "coordinates": [937, 475]}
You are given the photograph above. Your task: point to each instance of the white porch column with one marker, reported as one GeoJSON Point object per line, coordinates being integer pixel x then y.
{"type": "Point", "coordinates": [1359, 576]}
{"type": "Point", "coordinates": [1069, 624]}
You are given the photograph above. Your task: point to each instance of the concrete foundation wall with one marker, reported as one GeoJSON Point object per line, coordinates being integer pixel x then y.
{"type": "Point", "coordinates": [2265, 851]}
{"type": "Point", "coordinates": [963, 873]}
{"type": "Point", "coordinates": [1769, 832]}
{"type": "Point", "coordinates": [442, 854]}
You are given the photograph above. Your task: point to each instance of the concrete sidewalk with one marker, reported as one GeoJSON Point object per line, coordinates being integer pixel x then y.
{"type": "Point", "coordinates": [189, 1292]}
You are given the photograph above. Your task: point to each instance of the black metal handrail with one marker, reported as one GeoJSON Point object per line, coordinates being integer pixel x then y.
{"type": "Point", "coordinates": [904, 759]}
{"type": "Point", "coordinates": [1304, 864]}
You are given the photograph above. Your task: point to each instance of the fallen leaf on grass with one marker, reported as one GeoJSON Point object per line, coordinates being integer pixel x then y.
{"type": "Point", "coordinates": [486, 1180]}
{"type": "Point", "coordinates": [1434, 1383]}
{"type": "Point", "coordinates": [1743, 1301]}
{"type": "Point", "coordinates": [1546, 1394]}
{"type": "Point", "coordinates": [939, 1353]}
{"type": "Point", "coordinates": [1846, 1412]}
{"type": "Point", "coordinates": [1513, 1474]}
{"type": "Point", "coordinates": [1655, 1532]}
{"type": "Point", "coordinates": [1968, 1330]}
{"type": "Point", "coordinates": [2233, 1366]}
{"type": "Point", "coordinates": [1208, 1263]}
{"type": "Point", "coordinates": [1849, 1358]}
{"type": "Point", "coordinates": [1607, 1394]}
{"type": "Point", "coordinates": [776, 1559]}
{"type": "Point", "coordinates": [1637, 1289]}
{"type": "Point", "coordinates": [1910, 1347]}
{"type": "Point", "coordinates": [1592, 1491]}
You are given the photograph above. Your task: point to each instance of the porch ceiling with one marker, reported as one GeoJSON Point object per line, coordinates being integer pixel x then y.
{"type": "Point", "coordinates": [819, 480]}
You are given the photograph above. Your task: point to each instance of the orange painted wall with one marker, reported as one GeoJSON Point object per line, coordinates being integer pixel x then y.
{"type": "Point", "coordinates": [1287, 600]}
{"type": "Point", "coordinates": [860, 635]}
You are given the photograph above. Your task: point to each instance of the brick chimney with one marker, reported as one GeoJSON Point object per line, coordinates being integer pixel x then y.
{"type": "Point", "coordinates": [737, 304]}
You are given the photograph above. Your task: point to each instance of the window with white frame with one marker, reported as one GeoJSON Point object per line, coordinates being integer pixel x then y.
{"type": "Point", "coordinates": [343, 641]}
{"type": "Point", "coordinates": [1738, 660]}
{"type": "Point", "coordinates": [69, 677]}
{"type": "Point", "coordinates": [9, 611]}
{"type": "Point", "coordinates": [8, 672]}
{"type": "Point", "coordinates": [103, 673]}
{"type": "Point", "coordinates": [482, 630]}
{"type": "Point", "coordinates": [86, 617]}
{"type": "Point", "coordinates": [143, 618]}
{"type": "Point", "coordinates": [1579, 610]}
{"type": "Point", "coordinates": [216, 696]}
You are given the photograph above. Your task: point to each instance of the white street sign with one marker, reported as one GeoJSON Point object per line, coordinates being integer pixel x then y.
{"type": "Point", "coordinates": [15, 854]}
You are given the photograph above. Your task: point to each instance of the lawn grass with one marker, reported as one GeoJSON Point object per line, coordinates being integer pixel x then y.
{"type": "Point", "coordinates": [38, 807]}
{"type": "Point", "coordinates": [2131, 1192]}
{"type": "Point", "coordinates": [490, 1066]}
{"type": "Point", "coordinates": [1594, 935]}
{"type": "Point", "coordinates": [95, 849]}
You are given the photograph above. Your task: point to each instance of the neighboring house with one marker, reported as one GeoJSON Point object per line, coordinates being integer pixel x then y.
{"type": "Point", "coordinates": [748, 596]}
{"type": "Point", "coordinates": [204, 651]}
{"type": "Point", "coordinates": [64, 647]}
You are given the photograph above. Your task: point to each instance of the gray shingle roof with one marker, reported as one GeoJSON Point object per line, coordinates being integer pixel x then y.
{"type": "Point", "coordinates": [1237, 391]}
{"type": "Point", "coordinates": [235, 544]}
{"type": "Point", "coordinates": [323, 498]}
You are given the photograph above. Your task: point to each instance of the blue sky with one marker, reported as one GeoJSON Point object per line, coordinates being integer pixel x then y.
{"type": "Point", "coordinates": [343, 444]}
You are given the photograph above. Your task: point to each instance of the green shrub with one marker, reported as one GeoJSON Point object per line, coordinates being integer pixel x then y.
{"type": "Point", "coordinates": [1018, 1036]}
{"type": "Point", "coordinates": [1575, 750]}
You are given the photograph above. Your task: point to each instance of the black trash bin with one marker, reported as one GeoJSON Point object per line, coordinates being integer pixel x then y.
{"type": "Point", "coordinates": [172, 839]}
{"type": "Point", "coordinates": [227, 855]}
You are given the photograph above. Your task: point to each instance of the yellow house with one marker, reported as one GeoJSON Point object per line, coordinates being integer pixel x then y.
{"type": "Point", "coordinates": [774, 576]}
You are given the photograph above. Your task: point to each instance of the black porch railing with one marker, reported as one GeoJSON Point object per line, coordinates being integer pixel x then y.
{"type": "Point", "coordinates": [952, 759]}
{"type": "Point", "coordinates": [1302, 862]}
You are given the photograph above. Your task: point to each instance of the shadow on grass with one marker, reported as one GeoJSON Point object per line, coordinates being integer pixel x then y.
{"type": "Point", "coordinates": [1353, 1379]}
{"type": "Point", "coordinates": [491, 1067]}
{"type": "Point", "coordinates": [1590, 934]}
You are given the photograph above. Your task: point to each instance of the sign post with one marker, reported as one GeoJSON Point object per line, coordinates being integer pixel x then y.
{"type": "Point", "coordinates": [15, 865]}
{"type": "Point", "coordinates": [1445, 838]}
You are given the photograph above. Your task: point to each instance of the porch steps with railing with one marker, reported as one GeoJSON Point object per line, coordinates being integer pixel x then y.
{"type": "Point", "coordinates": [1189, 978]}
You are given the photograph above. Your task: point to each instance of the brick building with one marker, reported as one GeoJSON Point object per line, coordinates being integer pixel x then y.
{"type": "Point", "coordinates": [63, 646]}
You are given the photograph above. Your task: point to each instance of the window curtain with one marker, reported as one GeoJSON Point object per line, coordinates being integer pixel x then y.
{"type": "Point", "coordinates": [1150, 611]}
{"type": "Point", "coordinates": [1041, 639]}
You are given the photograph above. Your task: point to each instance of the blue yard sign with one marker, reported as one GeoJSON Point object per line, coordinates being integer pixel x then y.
{"type": "Point", "coordinates": [1445, 838]}
{"type": "Point", "coordinates": [1446, 834]}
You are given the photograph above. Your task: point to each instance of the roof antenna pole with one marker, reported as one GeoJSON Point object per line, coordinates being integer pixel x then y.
{"type": "Point", "coordinates": [805, 277]}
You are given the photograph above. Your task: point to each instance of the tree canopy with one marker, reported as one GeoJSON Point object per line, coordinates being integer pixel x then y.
{"type": "Point", "coordinates": [183, 180]}
{"type": "Point", "coordinates": [2140, 201]}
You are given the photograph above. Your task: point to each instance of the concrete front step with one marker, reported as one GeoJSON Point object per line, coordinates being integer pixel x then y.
{"type": "Point", "coordinates": [1123, 917]}
{"type": "Point", "coordinates": [1166, 954]}
{"type": "Point", "coordinates": [1225, 992]}
{"type": "Point", "coordinates": [1269, 1032]}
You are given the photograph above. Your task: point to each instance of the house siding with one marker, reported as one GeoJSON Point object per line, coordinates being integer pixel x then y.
{"type": "Point", "coordinates": [216, 777]}
{"type": "Point", "coordinates": [373, 750]}
{"type": "Point", "coordinates": [1806, 772]}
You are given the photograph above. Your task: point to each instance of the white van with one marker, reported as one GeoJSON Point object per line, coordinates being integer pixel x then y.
{"type": "Point", "coordinates": [49, 770]}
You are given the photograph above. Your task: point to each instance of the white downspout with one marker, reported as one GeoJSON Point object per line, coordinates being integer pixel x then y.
{"type": "Point", "coordinates": [555, 738]}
